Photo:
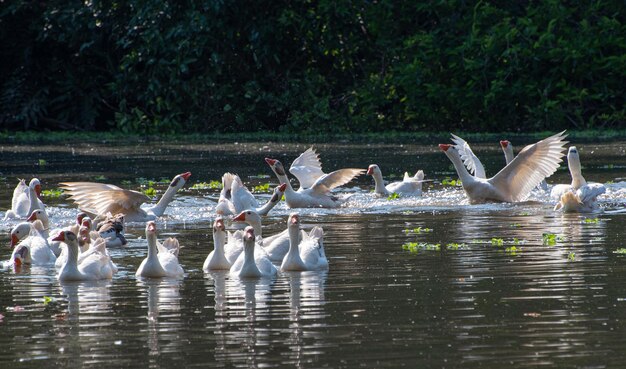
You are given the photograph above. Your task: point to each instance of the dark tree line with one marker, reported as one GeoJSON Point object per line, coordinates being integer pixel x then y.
{"type": "Point", "coordinates": [344, 66]}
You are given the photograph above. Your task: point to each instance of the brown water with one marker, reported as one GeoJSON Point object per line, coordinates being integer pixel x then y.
{"type": "Point", "coordinates": [378, 305]}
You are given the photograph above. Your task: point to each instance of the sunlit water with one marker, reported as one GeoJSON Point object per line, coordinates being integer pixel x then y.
{"type": "Point", "coordinates": [473, 304]}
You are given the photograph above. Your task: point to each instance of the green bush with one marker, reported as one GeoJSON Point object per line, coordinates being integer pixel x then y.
{"type": "Point", "coordinates": [156, 66]}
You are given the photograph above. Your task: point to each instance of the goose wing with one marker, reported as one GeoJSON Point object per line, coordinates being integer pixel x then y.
{"type": "Point", "coordinates": [471, 161]}
{"type": "Point", "coordinates": [534, 163]}
{"type": "Point", "coordinates": [100, 198]}
{"type": "Point", "coordinates": [307, 168]}
{"type": "Point", "coordinates": [327, 182]}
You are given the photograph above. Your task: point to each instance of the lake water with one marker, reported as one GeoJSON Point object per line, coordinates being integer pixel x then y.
{"type": "Point", "coordinates": [471, 304]}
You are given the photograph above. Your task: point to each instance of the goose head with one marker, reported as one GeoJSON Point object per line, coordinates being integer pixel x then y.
{"type": "Point", "coordinates": [21, 255]}
{"type": "Point", "coordinates": [83, 235]}
{"type": "Point", "coordinates": [504, 143]}
{"type": "Point", "coordinates": [70, 240]}
{"type": "Point", "coordinates": [86, 222]}
{"type": "Point", "coordinates": [373, 169]}
{"type": "Point", "coordinates": [39, 214]}
{"type": "Point", "coordinates": [79, 218]}
{"type": "Point", "coordinates": [19, 232]}
{"type": "Point", "coordinates": [276, 166]}
{"type": "Point", "coordinates": [278, 192]}
{"type": "Point", "coordinates": [218, 225]}
{"type": "Point", "coordinates": [293, 224]}
{"type": "Point", "coordinates": [179, 181]}
{"type": "Point", "coordinates": [248, 240]}
{"type": "Point", "coordinates": [36, 186]}
{"type": "Point", "coordinates": [573, 158]}
{"type": "Point", "coordinates": [151, 229]}
{"type": "Point", "coordinates": [248, 216]}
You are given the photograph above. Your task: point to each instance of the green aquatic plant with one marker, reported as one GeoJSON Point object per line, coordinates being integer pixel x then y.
{"type": "Point", "coordinates": [418, 230]}
{"type": "Point", "coordinates": [516, 225]}
{"type": "Point", "coordinates": [571, 256]}
{"type": "Point", "coordinates": [415, 247]}
{"type": "Point", "coordinates": [212, 185]}
{"type": "Point", "coordinates": [54, 192]}
{"type": "Point", "coordinates": [513, 250]}
{"type": "Point", "coordinates": [100, 178]}
{"type": "Point", "coordinates": [591, 220]}
{"type": "Point", "coordinates": [150, 191]}
{"type": "Point", "coordinates": [265, 187]}
{"type": "Point", "coordinates": [620, 251]}
{"type": "Point", "coordinates": [550, 239]}
{"type": "Point", "coordinates": [126, 182]}
{"type": "Point", "coordinates": [497, 242]}
{"type": "Point", "coordinates": [393, 196]}
{"type": "Point", "coordinates": [456, 246]}
{"type": "Point", "coordinates": [451, 182]}
{"type": "Point", "coordinates": [42, 162]}
{"type": "Point", "coordinates": [47, 300]}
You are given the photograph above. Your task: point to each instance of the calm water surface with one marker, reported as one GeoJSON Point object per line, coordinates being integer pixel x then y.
{"type": "Point", "coordinates": [473, 305]}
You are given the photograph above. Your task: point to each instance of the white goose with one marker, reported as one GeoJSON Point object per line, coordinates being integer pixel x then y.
{"type": "Point", "coordinates": [507, 149]}
{"type": "Point", "coordinates": [253, 262]}
{"type": "Point", "coordinates": [94, 265]}
{"type": "Point", "coordinates": [409, 186]}
{"type": "Point", "coordinates": [237, 198]}
{"type": "Point", "coordinates": [315, 185]}
{"type": "Point", "coordinates": [580, 196]}
{"type": "Point", "coordinates": [515, 181]}
{"type": "Point", "coordinates": [276, 245]}
{"type": "Point", "coordinates": [33, 249]}
{"type": "Point", "coordinates": [25, 199]}
{"type": "Point", "coordinates": [307, 254]}
{"type": "Point", "coordinates": [162, 260]}
{"type": "Point", "coordinates": [217, 258]}
{"type": "Point", "coordinates": [83, 238]}
{"type": "Point", "coordinates": [97, 199]}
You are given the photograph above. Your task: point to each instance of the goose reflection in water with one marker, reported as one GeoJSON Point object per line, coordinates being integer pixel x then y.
{"type": "Point", "coordinates": [163, 297]}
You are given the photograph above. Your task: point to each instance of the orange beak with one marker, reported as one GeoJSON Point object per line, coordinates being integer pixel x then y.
{"type": "Point", "coordinates": [38, 190]}
{"type": "Point", "coordinates": [219, 223]}
{"type": "Point", "coordinates": [186, 175]}
{"type": "Point", "coordinates": [32, 217]}
{"type": "Point", "coordinates": [444, 147]}
{"type": "Point", "coordinates": [17, 261]}
{"type": "Point", "coordinates": [240, 218]}
{"type": "Point", "coordinates": [152, 227]}
{"type": "Point", "coordinates": [59, 237]}
{"type": "Point", "coordinates": [282, 187]}
{"type": "Point", "coordinates": [295, 219]}
{"type": "Point", "coordinates": [370, 171]}
{"type": "Point", "coordinates": [504, 143]}
{"type": "Point", "coordinates": [14, 240]}
{"type": "Point", "coordinates": [269, 161]}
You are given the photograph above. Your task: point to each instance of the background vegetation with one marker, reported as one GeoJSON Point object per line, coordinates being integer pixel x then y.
{"type": "Point", "coordinates": [157, 66]}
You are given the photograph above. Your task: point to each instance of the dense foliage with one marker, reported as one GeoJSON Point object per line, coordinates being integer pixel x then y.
{"type": "Point", "coordinates": [351, 66]}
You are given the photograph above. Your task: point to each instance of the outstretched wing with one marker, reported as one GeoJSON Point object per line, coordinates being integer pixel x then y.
{"type": "Point", "coordinates": [100, 198]}
{"type": "Point", "coordinates": [471, 161]}
{"type": "Point", "coordinates": [534, 163]}
{"type": "Point", "coordinates": [588, 193]}
{"type": "Point", "coordinates": [327, 182]}
{"type": "Point", "coordinates": [307, 168]}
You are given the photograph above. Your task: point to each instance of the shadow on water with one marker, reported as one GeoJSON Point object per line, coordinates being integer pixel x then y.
{"type": "Point", "coordinates": [493, 294]}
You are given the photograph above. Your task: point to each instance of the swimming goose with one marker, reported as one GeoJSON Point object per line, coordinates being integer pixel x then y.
{"type": "Point", "coordinates": [238, 198]}
{"type": "Point", "coordinates": [276, 245]}
{"type": "Point", "coordinates": [25, 199]}
{"type": "Point", "coordinates": [37, 250]}
{"type": "Point", "coordinates": [409, 186]}
{"type": "Point", "coordinates": [515, 181]}
{"type": "Point", "coordinates": [162, 260]}
{"type": "Point", "coordinates": [217, 258]}
{"type": "Point", "coordinates": [313, 193]}
{"type": "Point", "coordinates": [253, 262]}
{"type": "Point", "coordinates": [99, 199]}
{"type": "Point", "coordinates": [94, 265]}
{"type": "Point", "coordinates": [579, 196]}
{"type": "Point", "coordinates": [304, 253]}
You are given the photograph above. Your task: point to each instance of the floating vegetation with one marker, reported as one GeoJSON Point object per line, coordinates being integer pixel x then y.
{"type": "Point", "coordinates": [47, 300]}
{"type": "Point", "coordinates": [151, 182]}
{"type": "Point", "coordinates": [451, 182]}
{"type": "Point", "coordinates": [213, 185]}
{"type": "Point", "coordinates": [150, 191]}
{"type": "Point", "coordinates": [415, 247]}
{"type": "Point", "coordinates": [418, 230]}
{"type": "Point", "coordinates": [524, 214]}
{"type": "Point", "coordinates": [515, 225]}
{"type": "Point", "coordinates": [571, 256]}
{"type": "Point", "coordinates": [550, 239]}
{"type": "Point", "coordinates": [513, 250]}
{"type": "Point", "coordinates": [456, 246]}
{"type": "Point", "coordinates": [393, 196]}
{"type": "Point", "coordinates": [497, 242]}
{"type": "Point", "coordinates": [591, 220]}
{"type": "Point", "coordinates": [55, 192]}
{"type": "Point", "coordinates": [42, 162]}
{"type": "Point", "coordinates": [100, 178]}
{"type": "Point", "coordinates": [620, 251]}
{"type": "Point", "coordinates": [126, 182]}
{"type": "Point", "coordinates": [261, 188]}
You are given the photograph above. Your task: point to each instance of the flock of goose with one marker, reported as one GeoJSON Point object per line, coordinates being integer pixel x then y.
{"type": "Point", "coordinates": [79, 251]}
